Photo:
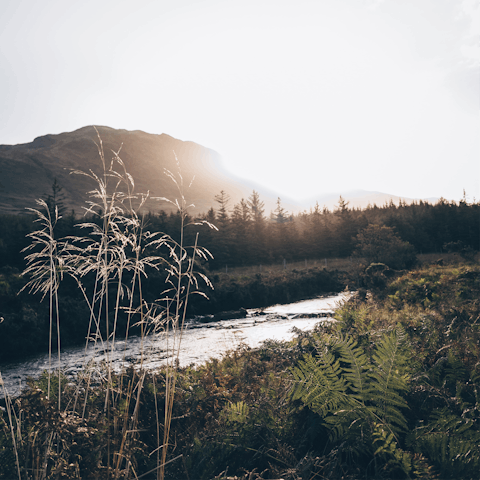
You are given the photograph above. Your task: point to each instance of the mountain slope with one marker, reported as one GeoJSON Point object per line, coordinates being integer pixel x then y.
{"type": "Point", "coordinates": [27, 171]}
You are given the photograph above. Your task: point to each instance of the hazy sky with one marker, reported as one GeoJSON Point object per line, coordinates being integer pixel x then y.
{"type": "Point", "coordinates": [306, 97]}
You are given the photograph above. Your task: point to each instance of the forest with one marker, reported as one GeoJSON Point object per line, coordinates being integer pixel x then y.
{"type": "Point", "coordinates": [247, 235]}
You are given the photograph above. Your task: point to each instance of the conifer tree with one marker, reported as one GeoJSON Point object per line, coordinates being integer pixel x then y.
{"type": "Point", "coordinates": [222, 217]}
{"type": "Point", "coordinates": [223, 241]}
{"type": "Point", "coordinates": [240, 224]}
{"type": "Point", "coordinates": [257, 210]}
{"type": "Point", "coordinates": [56, 199]}
{"type": "Point", "coordinates": [280, 215]}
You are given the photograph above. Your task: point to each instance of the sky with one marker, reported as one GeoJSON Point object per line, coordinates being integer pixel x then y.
{"type": "Point", "coordinates": [305, 97]}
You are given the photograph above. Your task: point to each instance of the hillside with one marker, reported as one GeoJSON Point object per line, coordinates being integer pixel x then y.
{"type": "Point", "coordinates": [27, 172]}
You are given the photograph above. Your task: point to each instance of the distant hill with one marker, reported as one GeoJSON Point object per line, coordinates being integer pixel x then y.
{"type": "Point", "coordinates": [360, 199]}
{"type": "Point", "coordinates": [27, 172]}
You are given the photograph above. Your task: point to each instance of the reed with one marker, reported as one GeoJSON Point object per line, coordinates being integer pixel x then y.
{"type": "Point", "coordinates": [108, 264]}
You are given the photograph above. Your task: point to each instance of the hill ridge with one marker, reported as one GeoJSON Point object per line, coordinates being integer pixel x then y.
{"type": "Point", "coordinates": [28, 170]}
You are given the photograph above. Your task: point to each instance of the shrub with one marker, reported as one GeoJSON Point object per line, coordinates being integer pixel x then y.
{"type": "Point", "coordinates": [380, 244]}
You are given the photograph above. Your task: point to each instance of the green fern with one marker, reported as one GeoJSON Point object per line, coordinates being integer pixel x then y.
{"type": "Point", "coordinates": [236, 412]}
{"type": "Point", "coordinates": [475, 379]}
{"type": "Point", "coordinates": [318, 383]}
{"type": "Point", "coordinates": [455, 371]}
{"type": "Point", "coordinates": [358, 396]}
{"type": "Point", "coordinates": [388, 450]}
{"type": "Point", "coordinates": [348, 420]}
{"type": "Point", "coordinates": [389, 380]}
{"type": "Point", "coordinates": [356, 364]}
{"type": "Point", "coordinates": [451, 441]}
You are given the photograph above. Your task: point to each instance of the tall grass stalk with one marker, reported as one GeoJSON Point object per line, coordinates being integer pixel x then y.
{"type": "Point", "coordinates": [11, 423]}
{"type": "Point", "coordinates": [178, 276]}
{"type": "Point", "coordinates": [44, 268]}
{"type": "Point", "coordinates": [114, 257]}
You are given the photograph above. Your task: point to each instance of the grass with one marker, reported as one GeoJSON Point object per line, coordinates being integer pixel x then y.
{"type": "Point", "coordinates": [344, 264]}
{"type": "Point", "coordinates": [108, 265]}
{"type": "Point", "coordinates": [348, 264]}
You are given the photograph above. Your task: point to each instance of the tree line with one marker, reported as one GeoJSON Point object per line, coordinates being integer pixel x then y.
{"type": "Point", "coordinates": [247, 235]}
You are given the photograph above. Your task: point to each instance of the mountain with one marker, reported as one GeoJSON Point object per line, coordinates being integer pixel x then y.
{"type": "Point", "coordinates": [360, 199]}
{"type": "Point", "coordinates": [27, 172]}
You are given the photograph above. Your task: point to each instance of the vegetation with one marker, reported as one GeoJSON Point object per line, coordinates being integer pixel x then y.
{"type": "Point", "coordinates": [380, 244]}
{"type": "Point", "coordinates": [247, 236]}
{"type": "Point", "coordinates": [389, 390]}
{"type": "Point", "coordinates": [258, 260]}
{"type": "Point", "coordinates": [107, 266]}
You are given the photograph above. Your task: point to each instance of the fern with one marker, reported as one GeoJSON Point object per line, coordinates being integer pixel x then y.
{"type": "Point", "coordinates": [236, 412]}
{"type": "Point", "coordinates": [475, 378]}
{"type": "Point", "coordinates": [451, 441]}
{"type": "Point", "coordinates": [318, 383]}
{"type": "Point", "coordinates": [359, 397]}
{"type": "Point", "coordinates": [349, 419]}
{"type": "Point", "coordinates": [388, 450]}
{"type": "Point", "coordinates": [356, 365]}
{"type": "Point", "coordinates": [388, 380]}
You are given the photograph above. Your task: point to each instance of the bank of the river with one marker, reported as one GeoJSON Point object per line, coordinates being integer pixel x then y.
{"type": "Point", "coordinates": [257, 289]}
{"type": "Point", "coordinates": [390, 391]}
{"type": "Point", "coordinates": [24, 329]}
{"type": "Point", "coordinates": [201, 341]}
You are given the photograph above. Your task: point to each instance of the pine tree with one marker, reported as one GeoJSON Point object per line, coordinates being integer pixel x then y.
{"type": "Point", "coordinates": [56, 200]}
{"type": "Point", "coordinates": [257, 228]}
{"type": "Point", "coordinates": [240, 225]}
{"type": "Point", "coordinates": [280, 215]}
{"type": "Point", "coordinates": [223, 238]}
{"type": "Point", "coordinates": [222, 217]}
{"type": "Point", "coordinates": [257, 209]}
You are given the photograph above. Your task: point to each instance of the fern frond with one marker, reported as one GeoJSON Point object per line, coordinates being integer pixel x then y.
{"type": "Point", "coordinates": [355, 365]}
{"type": "Point", "coordinates": [454, 371]}
{"type": "Point", "coordinates": [451, 441]}
{"type": "Point", "coordinates": [389, 451]}
{"type": "Point", "coordinates": [236, 412]}
{"type": "Point", "coordinates": [349, 424]}
{"type": "Point", "coordinates": [389, 379]}
{"type": "Point", "coordinates": [318, 383]}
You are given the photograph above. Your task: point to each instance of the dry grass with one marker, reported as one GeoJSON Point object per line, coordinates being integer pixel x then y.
{"type": "Point", "coordinates": [115, 255]}
{"type": "Point", "coordinates": [446, 258]}
{"type": "Point", "coordinates": [328, 263]}
{"type": "Point", "coordinates": [344, 264]}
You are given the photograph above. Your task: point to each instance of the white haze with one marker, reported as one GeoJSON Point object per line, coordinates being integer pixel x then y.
{"type": "Point", "coordinates": [304, 97]}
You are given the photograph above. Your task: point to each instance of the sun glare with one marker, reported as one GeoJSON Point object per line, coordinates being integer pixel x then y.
{"type": "Point", "coordinates": [304, 98]}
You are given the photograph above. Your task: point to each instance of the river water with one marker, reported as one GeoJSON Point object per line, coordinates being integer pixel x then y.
{"type": "Point", "coordinates": [199, 343]}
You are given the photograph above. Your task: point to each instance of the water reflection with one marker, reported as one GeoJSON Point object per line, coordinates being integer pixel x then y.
{"type": "Point", "coordinates": [200, 341]}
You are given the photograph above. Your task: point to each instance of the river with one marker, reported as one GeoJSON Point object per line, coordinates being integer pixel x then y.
{"type": "Point", "coordinates": [200, 341]}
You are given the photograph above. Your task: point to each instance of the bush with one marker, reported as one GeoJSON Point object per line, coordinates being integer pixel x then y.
{"type": "Point", "coordinates": [380, 244]}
